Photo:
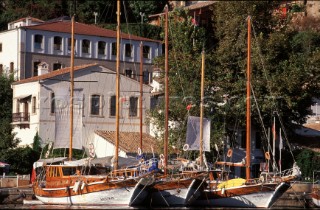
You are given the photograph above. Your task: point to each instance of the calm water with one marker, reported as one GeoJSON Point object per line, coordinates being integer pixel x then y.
{"type": "Point", "coordinates": [20, 206]}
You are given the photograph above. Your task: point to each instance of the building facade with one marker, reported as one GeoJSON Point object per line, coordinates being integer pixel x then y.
{"type": "Point", "coordinates": [29, 41]}
{"type": "Point", "coordinates": [42, 104]}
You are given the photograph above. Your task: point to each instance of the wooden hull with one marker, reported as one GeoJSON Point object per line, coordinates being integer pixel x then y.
{"type": "Point", "coordinates": [315, 195]}
{"type": "Point", "coordinates": [95, 192]}
{"type": "Point", "coordinates": [253, 195]}
{"type": "Point", "coordinates": [176, 192]}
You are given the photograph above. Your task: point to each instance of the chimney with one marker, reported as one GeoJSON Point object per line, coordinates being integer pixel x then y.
{"type": "Point", "coordinates": [28, 21]}
{"type": "Point", "coordinates": [43, 68]}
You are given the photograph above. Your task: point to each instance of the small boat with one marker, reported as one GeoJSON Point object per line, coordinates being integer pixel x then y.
{"type": "Point", "coordinates": [74, 184]}
{"type": "Point", "coordinates": [247, 192]}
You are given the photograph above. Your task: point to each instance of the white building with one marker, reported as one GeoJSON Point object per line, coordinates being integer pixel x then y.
{"type": "Point", "coordinates": [41, 104]}
{"type": "Point", "coordinates": [29, 41]}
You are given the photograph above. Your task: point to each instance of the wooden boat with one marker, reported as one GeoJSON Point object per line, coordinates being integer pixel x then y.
{"type": "Point", "coordinates": [176, 189]}
{"type": "Point", "coordinates": [72, 185]}
{"type": "Point", "coordinates": [246, 192]}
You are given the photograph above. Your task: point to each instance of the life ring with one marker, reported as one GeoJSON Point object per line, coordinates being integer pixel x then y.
{"type": "Point", "coordinates": [267, 155]}
{"type": "Point", "coordinates": [91, 150]}
{"type": "Point", "coordinates": [185, 147]}
{"type": "Point", "coordinates": [139, 151]}
{"type": "Point", "coordinates": [229, 154]}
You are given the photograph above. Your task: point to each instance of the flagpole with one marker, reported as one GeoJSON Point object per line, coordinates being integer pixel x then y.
{"type": "Point", "coordinates": [274, 142]}
{"type": "Point", "coordinates": [280, 147]}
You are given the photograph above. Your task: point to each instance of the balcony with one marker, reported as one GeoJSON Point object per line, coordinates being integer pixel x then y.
{"type": "Point", "coordinates": [21, 119]}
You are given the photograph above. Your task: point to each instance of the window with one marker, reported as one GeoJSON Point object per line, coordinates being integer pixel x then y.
{"type": "Point", "coordinates": [146, 77]}
{"type": "Point", "coordinates": [38, 41]}
{"type": "Point", "coordinates": [95, 105]}
{"type": "Point", "coordinates": [128, 73]}
{"type": "Point", "coordinates": [34, 104]}
{"type": "Point", "coordinates": [56, 66]}
{"type": "Point", "coordinates": [146, 52]}
{"type": "Point", "coordinates": [57, 43]}
{"type": "Point", "coordinates": [133, 108]}
{"type": "Point", "coordinates": [128, 50]}
{"type": "Point", "coordinates": [101, 48]}
{"type": "Point", "coordinates": [85, 46]}
{"type": "Point", "coordinates": [35, 68]}
{"type": "Point", "coordinates": [243, 139]}
{"type": "Point", "coordinates": [11, 67]}
{"type": "Point", "coordinates": [113, 49]}
{"type": "Point", "coordinates": [113, 106]}
{"type": "Point", "coordinates": [0, 47]}
{"type": "Point", "coordinates": [69, 44]}
{"type": "Point", "coordinates": [52, 103]}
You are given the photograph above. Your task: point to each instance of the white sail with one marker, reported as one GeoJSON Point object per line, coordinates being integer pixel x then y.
{"type": "Point", "coordinates": [62, 119]}
{"type": "Point", "coordinates": [193, 133]}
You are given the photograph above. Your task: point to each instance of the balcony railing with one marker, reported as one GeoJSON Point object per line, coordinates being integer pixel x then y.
{"type": "Point", "coordinates": [21, 117]}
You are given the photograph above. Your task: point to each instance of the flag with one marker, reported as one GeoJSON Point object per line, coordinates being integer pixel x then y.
{"type": "Point", "coordinates": [280, 139]}
{"type": "Point", "coordinates": [274, 131]}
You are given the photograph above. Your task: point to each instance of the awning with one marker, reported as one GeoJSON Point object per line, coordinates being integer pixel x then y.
{"type": "Point", "coordinates": [2, 164]}
{"type": "Point", "coordinates": [21, 97]}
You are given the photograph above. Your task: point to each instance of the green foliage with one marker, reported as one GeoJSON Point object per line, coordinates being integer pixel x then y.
{"type": "Point", "coordinates": [20, 159]}
{"type": "Point", "coordinates": [36, 146]}
{"type": "Point", "coordinates": [308, 161]}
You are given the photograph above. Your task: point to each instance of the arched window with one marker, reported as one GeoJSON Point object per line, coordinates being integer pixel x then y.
{"type": "Point", "coordinates": [101, 48]}
{"type": "Point", "coordinates": [57, 43]}
{"type": "Point", "coordinates": [38, 41]}
{"type": "Point", "coordinates": [85, 46]}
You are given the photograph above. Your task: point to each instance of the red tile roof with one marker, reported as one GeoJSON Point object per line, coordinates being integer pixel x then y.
{"type": "Point", "coordinates": [200, 5]}
{"type": "Point", "coordinates": [84, 29]}
{"type": "Point", "coordinates": [53, 74]}
{"type": "Point", "coordinates": [25, 18]}
{"type": "Point", "coordinates": [130, 141]}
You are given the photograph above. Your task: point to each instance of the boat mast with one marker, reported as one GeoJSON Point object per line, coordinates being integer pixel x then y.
{"type": "Point", "coordinates": [141, 91]}
{"type": "Point", "coordinates": [71, 86]}
{"type": "Point", "coordinates": [201, 108]}
{"type": "Point", "coordinates": [166, 93]}
{"type": "Point", "coordinates": [248, 126]}
{"type": "Point", "coordinates": [115, 163]}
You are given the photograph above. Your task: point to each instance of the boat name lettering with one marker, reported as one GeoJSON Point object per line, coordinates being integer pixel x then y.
{"type": "Point", "coordinates": [106, 198]}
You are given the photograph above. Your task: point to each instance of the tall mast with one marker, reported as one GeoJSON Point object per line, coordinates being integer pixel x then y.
{"type": "Point", "coordinates": [166, 93]}
{"type": "Point", "coordinates": [248, 136]}
{"type": "Point", "coordinates": [71, 87]}
{"type": "Point", "coordinates": [201, 108]}
{"type": "Point", "coordinates": [115, 163]}
{"type": "Point", "coordinates": [141, 91]}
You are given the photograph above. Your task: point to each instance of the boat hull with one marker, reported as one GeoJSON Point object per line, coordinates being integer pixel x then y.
{"type": "Point", "coordinates": [122, 193]}
{"type": "Point", "coordinates": [254, 195]}
{"type": "Point", "coordinates": [176, 192]}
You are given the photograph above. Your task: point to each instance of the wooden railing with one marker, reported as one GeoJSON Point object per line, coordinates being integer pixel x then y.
{"type": "Point", "coordinates": [20, 117]}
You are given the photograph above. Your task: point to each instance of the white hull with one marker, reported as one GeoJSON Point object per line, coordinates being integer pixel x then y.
{"type": "Point", "coordinates": [316, 202]}
{"type": "Point", "coordinates": [120, 196]}
{"type": "Point", "coordinates": [258, 199]}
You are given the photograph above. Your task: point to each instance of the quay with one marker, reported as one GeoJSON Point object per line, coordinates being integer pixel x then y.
{"type": "Point", "coordinates": [298, 196]}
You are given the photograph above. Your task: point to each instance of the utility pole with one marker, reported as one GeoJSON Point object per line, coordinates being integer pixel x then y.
{"type": "Point", "coordinates": [95, 17]}
{"type": "Point", "coordinates": [142, 15]}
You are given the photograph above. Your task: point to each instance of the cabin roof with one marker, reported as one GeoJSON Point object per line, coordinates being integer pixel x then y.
{"type": "Point", "coordinates": [130, 141]}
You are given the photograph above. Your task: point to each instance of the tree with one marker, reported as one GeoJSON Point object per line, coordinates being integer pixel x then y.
{"type": "Point", "coordinates": [8, 139]}
{"type": "Point", "coordinates": [186, 43]}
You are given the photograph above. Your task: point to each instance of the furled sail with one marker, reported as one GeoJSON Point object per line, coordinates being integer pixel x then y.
{"type": "Point", "coordinates": [62, 119]}
{"type": "Point", "coordinates": [193, 133]}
